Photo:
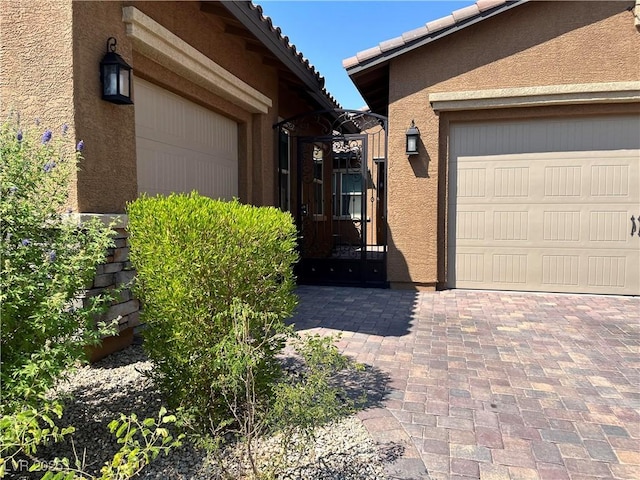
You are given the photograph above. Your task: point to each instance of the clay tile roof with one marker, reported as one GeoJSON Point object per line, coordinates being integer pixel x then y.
{"type": "Point", "coordinates": [413, 34]}
{"type": "Point", "coordinates": [466, 12]}
{"type": "Point", "coordinates": [285, 47]}
{"type": "Point", "coordinates": [487, 4]}
{"type": "Point", "coordinates": [350, 62]}
{"type": "Point", "coordinates": [370, 53]}
{"type": "Point", "coordinates": [391, 44]}
{"type": "Point", "coordinates": [431, 31]}
{"type": "Point", "coordinates": [441, 23]}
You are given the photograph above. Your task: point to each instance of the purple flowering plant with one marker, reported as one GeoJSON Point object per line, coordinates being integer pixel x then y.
{"type": "Point", "coordinates": [46, 137]}
{"type": "Point", "coordinates": [47, 321]}
{"type": "Point", "coordinates": [47, 263]}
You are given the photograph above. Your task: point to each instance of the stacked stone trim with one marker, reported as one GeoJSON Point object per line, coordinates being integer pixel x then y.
{"type": "Point", "coordinates": [118, 272]}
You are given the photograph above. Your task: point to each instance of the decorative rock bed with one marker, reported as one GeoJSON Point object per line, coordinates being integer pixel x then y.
{"type": "Point", "coordinates": [117, 384]}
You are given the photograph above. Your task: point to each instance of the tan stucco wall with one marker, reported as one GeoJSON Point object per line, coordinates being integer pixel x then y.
{"type": "Point", "coordinates": [36, 75]}
{"type": "Point", "coordinates": [107, 179]}
{"type": "Point", "coordinates": [106, 184]}
{"type": "Point", "coordinates": [539, 43]}
{"type": "Point", "coordinates": [50, 70]}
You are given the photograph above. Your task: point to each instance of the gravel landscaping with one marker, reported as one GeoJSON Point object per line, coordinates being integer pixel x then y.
{"type": "Point", "coordinates": [97, 393]}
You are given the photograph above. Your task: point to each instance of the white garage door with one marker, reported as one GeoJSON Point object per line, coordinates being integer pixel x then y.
{"type": "Point", "coordinates": [182, 146]}
{"type": "Point", "coordinates": [546, 205]}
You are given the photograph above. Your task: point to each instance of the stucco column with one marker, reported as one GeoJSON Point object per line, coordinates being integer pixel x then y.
{"type": "Point", "coordinates": [263, 169]}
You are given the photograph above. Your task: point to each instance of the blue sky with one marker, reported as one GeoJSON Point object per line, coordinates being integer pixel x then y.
{"type": "Point", "coordinates": [327, 31]}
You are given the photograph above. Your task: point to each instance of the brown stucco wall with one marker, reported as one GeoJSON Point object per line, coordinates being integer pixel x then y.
{"type": "Point", "coordinates": [108, 179]}
{"type": "Point", "coordinates": [36, 78]}
{"type": "Point", "coordinates": [50, 70]}
{"type": "Point", "coordinates": [536, 44]}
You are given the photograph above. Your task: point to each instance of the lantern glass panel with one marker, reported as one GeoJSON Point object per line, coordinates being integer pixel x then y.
{"type": "Point", "coordinates": [124, 82]}
{"type": "Point", "coordinates": [110, 79]}
{"type": "Point", "coordinates": [412, 143]}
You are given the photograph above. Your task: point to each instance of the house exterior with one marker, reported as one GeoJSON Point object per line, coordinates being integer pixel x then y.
{"type": "Point", "coordinates": [211, 79]}
{"type": "Point", "coordinates": [528, 167]}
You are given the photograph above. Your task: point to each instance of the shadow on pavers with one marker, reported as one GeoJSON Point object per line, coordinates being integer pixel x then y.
{"type": "Point", "coordinates": [367, 311]}
{"type": "Point", "coordinates": [395, 448]}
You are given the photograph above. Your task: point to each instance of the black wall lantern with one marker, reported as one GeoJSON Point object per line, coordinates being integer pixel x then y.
{"type": "Point", "coordinates": [115, 76]}
{"type": "Point", "coordinates": [413, 135]}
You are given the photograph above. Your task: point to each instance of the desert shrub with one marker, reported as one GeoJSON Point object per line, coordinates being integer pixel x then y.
{"type": "Point", "coordinates": [216, 284]}
{"type": "Point", "coordinates": [24, 430]}
{"type": "Point", "coordinates": [47, 261]}
{"type": "Point", "coordinates": [197, 259]}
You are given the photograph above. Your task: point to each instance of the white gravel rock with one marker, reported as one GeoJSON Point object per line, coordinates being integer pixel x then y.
{"type": "Point", "coordinates": [118, 384]}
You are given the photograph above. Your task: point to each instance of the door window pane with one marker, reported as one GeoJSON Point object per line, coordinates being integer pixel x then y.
{"type": "Point", "coordinates": [347, 195]}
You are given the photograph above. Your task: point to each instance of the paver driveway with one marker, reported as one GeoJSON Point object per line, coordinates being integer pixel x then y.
{"type": "Point", "coordinates": [495, 385]}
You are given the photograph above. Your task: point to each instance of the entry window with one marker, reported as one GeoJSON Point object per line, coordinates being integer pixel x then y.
{"type": "Point", "coordinates": [284, 170]}
{"type": "Point", "coordinates": [318, 188]}
{"type": "Point", "coordinates": [347, 195]}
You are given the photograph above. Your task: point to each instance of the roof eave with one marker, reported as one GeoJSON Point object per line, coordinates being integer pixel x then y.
{"type": "Point", "coordinates": [384, 57]}
{"type": "Point", "coordinates": [251, 19]}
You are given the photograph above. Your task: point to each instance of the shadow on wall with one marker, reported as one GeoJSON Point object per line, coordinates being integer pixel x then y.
{"type": "Point", "coordinates": [420, 162]}
{"type": "Point", "coordinates": [398, 273]}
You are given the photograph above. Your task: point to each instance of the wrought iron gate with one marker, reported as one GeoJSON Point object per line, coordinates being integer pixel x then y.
{"type": "Point", "coordinates": [332, 167]}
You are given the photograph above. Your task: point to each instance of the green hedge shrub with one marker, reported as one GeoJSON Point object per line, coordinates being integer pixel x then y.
{"type": "Point", "coordinates": [204, 267]}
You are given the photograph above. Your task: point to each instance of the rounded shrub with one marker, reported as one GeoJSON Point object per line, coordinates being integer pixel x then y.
{"type": "Point", "coordinates": [216, 283]}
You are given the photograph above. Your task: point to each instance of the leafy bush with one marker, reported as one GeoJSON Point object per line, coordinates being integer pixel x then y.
{"type": "Point", "coordinates": [47, 262]}
{"type": "Point", "coordinates": [23, 431]}
{"type": "Point", "coordinates": [216, 284]}
{"type": "Point", "coordinates": [197, 258]}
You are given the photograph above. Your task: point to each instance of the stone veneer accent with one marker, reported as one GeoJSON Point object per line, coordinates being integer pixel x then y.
{"type": "Point", "coordinates": [118, 271]}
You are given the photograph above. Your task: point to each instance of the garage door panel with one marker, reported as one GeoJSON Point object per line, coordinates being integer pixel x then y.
{"type": "Point", "coordinates": [472, 182]}
{"type": "Point", "coordinates": [560, 270]}
{"type": "Point", "coordinates": [587, 134]}
{"type": "Point", "coordinates": [510, 225]}
{"type": "Point", "coordinates": [557, 270]}
{"type": "Point", "coordinates": [607, 271]}
{"type": "Point", "coordinates": [548, 221]}
{"type": "Point", "coordinates": [560, 226]}
{"type": "Point", "coordinates": [182, 146]}
{"type": "Point", "coordinates": [607, 226]}
{"type": "Point", "coordinates": [562, 181]}
{"type": "Point", "coordinates": [161, 168]}
{"type": "Point", "coordinates": [511, 182]}
{"type": "Point", "coordinates": [509, 268]}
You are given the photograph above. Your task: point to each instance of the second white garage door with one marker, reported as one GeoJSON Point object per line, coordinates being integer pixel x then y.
{"type": "Point", "coordinates": [546, 205]}
{"type": "Point", "coordinates": [182, 146]}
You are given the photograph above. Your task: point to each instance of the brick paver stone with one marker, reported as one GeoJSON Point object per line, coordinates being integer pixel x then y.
{"type": "Point", "coordinates": [493, 385]}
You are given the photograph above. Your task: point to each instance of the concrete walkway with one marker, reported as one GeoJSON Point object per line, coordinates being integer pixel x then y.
{"type": "Point", "coordinates": [493, 385]}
